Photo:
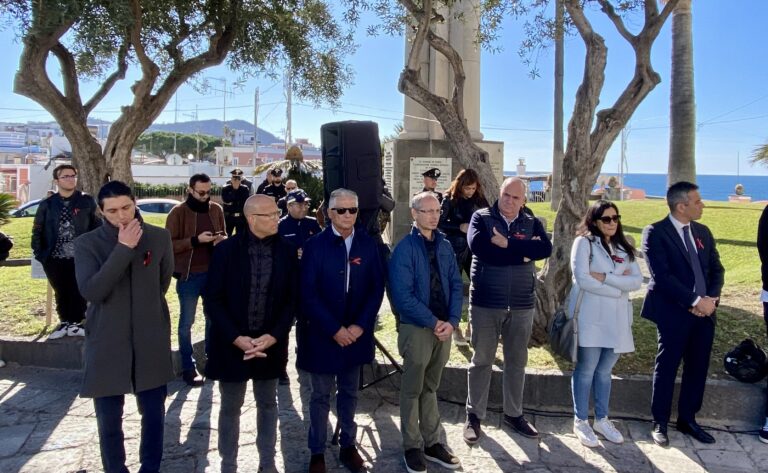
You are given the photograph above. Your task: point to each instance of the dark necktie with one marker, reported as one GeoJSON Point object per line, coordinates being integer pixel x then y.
{"type": "Point", "coordinates": [698, 274]}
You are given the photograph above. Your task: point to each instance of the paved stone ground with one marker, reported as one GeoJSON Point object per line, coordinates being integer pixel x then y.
{"type": "Point", "coordinates": [46, 427]}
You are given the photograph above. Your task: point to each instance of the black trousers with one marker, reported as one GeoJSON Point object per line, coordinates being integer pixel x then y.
{"type": "Point", "coordinates": [685, 338]}
{"type": "Point", "coordinates": [69, 303]}
{"type": "Point", "coordinates": [234, 223]}
{"type": "Point", "coordinates": [765, 317]}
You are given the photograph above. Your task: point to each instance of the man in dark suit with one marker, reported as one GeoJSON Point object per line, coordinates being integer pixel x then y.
{"type": "Point", "coordinates": [686, 279]}
{"type": "Point", "coordinates": [342, 281]}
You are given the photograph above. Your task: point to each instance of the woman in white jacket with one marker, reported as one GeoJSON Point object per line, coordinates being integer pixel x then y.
{"type": "Point", "coordinates": [604, 271]}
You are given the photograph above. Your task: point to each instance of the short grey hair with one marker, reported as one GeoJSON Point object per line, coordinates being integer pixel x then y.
{"type": "Point", "coordinates": [341, 192]}
{"type": "Point", "coordinates": [416, 199]}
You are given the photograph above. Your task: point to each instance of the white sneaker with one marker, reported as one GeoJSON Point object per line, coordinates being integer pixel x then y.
{"type": "Point", "coordinates": [60, 331]}
{"type": "Point", "coordinates": [606, 428]}
{"type": "Point", "coordinates": [584, 432]}
{"type": "Point", "coordinates": [75, 330]}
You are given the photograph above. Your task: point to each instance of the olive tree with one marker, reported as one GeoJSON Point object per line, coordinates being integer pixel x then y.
{"type": "Point", "coordinates": [168, 42]}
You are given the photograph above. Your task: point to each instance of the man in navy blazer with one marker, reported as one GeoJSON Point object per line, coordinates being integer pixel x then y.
{"type": "Point", "coordinates": [342, 279]}
{"type": "Point", "coordinates": [686, 279]}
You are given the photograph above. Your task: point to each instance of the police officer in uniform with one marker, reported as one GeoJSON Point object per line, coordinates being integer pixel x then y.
{"type": "Point", "coordinates": [276, 190]}
{"type": "Point", "coordinates": [233, 197]}
{"type": "Point", "coordinates": [296, 226]}
{"type": "Point", "coordinates": [430, 182]}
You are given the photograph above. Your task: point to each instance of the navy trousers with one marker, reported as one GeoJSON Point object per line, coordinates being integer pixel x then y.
{"type": "Point", "coordinates": [685, 338]}
{"type": "Point", "coordinates": [109, 419]}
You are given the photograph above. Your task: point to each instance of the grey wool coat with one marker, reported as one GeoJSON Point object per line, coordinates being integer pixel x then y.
{"type": "Point", "coordinates": [128, 328]}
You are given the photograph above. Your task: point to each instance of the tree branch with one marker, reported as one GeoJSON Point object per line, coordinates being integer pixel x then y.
{"type": "Point", "coordinates": [68, 72]}
{"type": "Point", "coordinates": [617, 21]}
{"type": "Point", "coordinates": [653, 20]}
{"type": "Point", "coordinates": [457, 64]}
{"type": "Point", "coordinates": [109, 82]}
{"type": "Point", "coordinates": [422, 28]}
{"type": "Point", "coordinates": [150, 70]}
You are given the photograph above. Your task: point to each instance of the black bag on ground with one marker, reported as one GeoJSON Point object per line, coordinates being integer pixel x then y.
{"type": "Point", "coordinates": [746, 362]}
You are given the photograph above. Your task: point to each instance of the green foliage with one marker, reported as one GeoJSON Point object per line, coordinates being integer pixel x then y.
{"type": "Point", "coordinates": [760, 155]}
{"type": "Point", "coordinates": [161, 143]}
{"type": "Point", "coordinates": [262, 37]}
{"type": "Point", "coordinates": [7, 203]}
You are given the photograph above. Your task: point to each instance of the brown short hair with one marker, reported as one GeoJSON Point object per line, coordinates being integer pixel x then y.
{"type": "Point", "coordinates": [60, 168]}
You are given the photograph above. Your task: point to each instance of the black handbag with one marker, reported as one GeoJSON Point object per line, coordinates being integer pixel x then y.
{"type": "Point", "coordinates": [564, 330]}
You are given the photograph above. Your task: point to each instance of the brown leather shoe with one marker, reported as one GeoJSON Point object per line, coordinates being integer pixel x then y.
{"type": "Point", "coordinates": [349, 457]}
{"type": "Point", "coordinates": [317, 463]}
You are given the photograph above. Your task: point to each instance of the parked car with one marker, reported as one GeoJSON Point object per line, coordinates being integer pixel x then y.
{"type": "Point", "coordinates": [27, 210]}
{"type": "Point", "coordinates": [156, 206]}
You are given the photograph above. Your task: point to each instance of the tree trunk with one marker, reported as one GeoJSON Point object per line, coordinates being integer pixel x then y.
{"type": "Point", "coordinates": [588, 146]}
{"type": "Point", "coordinates": [682, 103]}
{"type": "Point", "coordinates": [557, 152]}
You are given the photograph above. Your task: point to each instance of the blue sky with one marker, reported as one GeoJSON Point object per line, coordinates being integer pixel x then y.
{"type": "Point", "coordinates": [731, 74]}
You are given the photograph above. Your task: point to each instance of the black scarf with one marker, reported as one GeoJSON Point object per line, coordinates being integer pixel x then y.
{"type": "Point", "coordinates": [197, 206]}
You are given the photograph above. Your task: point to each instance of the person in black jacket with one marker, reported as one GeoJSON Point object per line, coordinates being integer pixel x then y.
{"type": "Point", "coordinates": [233, 197]}
{"type": "Point", "coordinates": [505, 241]}
{"type": "Point", "coordinates": [461, 200]}
{"type": "Point", "coordinates": [762, 248]}
{"type": "Point", "coordinates": [60, 219]}
{"type": "Point", "coordinates": [250, 298]}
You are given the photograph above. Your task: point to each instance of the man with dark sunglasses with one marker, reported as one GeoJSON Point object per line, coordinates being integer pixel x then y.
{"type": "Point", "coordinates": [233, 197]}
{"type": "Point", "coordinates": [342, 278]}
{"type": "Point", "coordinates": [196, 226]}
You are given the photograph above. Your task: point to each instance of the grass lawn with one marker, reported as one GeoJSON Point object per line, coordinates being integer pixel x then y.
{"type": "Point", "coordinates": [22, 300]}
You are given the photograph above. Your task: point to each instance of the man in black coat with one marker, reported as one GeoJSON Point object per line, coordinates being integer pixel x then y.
{"type": "Point", "coordinates": [233, 197]}
{"type": "Point", "coordinates": [250, 298]}
{"type": "Point", "coordinates": [762, 248]}
{"type": "Point", "coordinates": [686, 280]}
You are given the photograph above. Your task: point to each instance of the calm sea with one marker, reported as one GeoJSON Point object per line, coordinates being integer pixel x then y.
{"type": "Point", "coordinates": [712, 187]}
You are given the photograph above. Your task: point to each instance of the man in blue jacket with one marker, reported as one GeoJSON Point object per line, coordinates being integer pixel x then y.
{"type": "Point", "coordinates": [505, 241]}
{"type": "Point", "coordinates": [342, 280]}
{"type": "Point", "coordinates": [427, 291]}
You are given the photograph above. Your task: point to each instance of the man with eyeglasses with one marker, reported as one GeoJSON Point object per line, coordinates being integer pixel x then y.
{"type": "Point", "coordinates": [427, 291]}
{"type": "Point", "coordinates": [342, 278]}
{"type": "Point", "coordinates": [233, 197]}
{"type": "Point", "coordinates": [282, 204]}
{"type": "Point", "coordinates": [505, 241]}
{"type": "Point", "coordinates": [60, 219]}
{"type": "Point", "coordinates": [251, 297]}
{"type": "Point", "coordinates": [196, 226]}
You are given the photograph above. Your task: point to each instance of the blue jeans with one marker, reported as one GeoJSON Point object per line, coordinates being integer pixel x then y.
{"type": "Point", "coordinates": [189, 292]}
{"type": "Point", "coordinates": [109, 419]}
{"type": "Point", "coordinates": [346, 405]}
{"type": "Point", "coordinates": [593, 370]}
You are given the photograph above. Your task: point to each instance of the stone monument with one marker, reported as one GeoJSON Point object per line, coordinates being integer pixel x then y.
{"type": "Point", "coordinates": [422, 145]}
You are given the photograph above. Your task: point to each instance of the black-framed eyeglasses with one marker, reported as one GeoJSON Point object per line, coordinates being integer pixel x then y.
{"type": "Point", "coordinates": [343, 210]}
{"type": "Point", "coordinates": [236, 178]}
{"type": "Point", "coordinates": [608, 219]}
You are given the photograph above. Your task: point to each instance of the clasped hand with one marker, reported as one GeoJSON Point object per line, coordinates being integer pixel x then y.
{"type": "Point", "coordinates": [254, 347]}
{"type": "Point", "coordinates": [348, 335]}
{"type": "Point", "coordinates": [705, 307]}
{"type": "Point", "coordinates": [443, 330]}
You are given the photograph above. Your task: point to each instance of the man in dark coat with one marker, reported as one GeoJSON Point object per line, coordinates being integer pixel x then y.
{"type": "Point", "coordinates": [430, 182]}
{"type": "Point", "coordinates": [762, 249]}
{"type": "Point", "coordinates": [250, 298]}
{"type": "Point", "coordinates": [60, 219]}
{"type": "Point", "coordinates": [342, 279]}
{"type": "Point", "coordinates": [233, 197]}
{"type": "Point", "coordinates": [123, 270]}
{"type": "Point", "coordinates": [686, 280]}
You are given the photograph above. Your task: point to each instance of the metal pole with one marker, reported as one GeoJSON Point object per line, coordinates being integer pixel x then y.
{"type": "Point", "coordinates": [255, 126]}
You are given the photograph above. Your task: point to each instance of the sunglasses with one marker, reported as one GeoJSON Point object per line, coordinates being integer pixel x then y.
{"type": "Point", "coordinates": [201, 193]}
{"type": "Point", "coordinates": [342, 210]}
{"type": "Point", "coordinates": [607, 220]}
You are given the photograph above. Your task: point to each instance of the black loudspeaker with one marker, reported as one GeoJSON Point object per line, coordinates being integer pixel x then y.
{"type": "Point", "coordinates": [352, 159]}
